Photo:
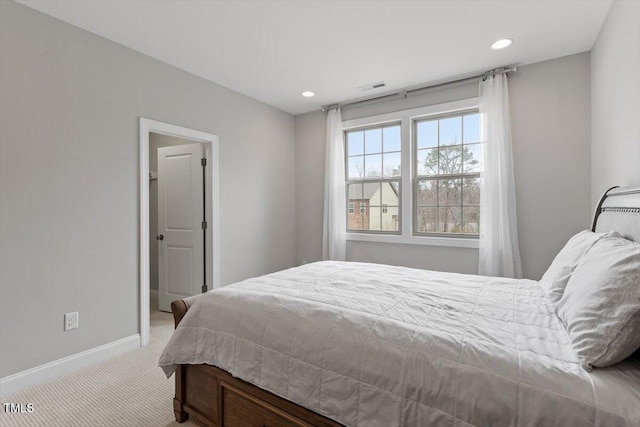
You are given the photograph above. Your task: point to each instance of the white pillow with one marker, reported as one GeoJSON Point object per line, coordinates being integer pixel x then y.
{"type": "Point", "coordinates": [600, 307]}
{"type": "Point", "coordinates": [555, 279]}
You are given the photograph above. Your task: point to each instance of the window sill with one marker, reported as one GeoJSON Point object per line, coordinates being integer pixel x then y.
{"type": "Point", "coordinates": [458, 242]}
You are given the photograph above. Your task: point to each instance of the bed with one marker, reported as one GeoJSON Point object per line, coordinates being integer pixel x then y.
{"type": "Point", "coordinates": [333, 343]}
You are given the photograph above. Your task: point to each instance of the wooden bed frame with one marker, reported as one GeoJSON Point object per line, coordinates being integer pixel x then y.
{"type": "Point", "coordinates": [213, 397]}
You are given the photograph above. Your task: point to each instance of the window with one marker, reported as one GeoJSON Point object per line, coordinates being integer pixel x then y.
{"type": "Point", "coordinates": [436, 153]}
{"type": "Point", "coordinates": [373, 158]}
{"type": "Point", "coordinates": [448, 160]}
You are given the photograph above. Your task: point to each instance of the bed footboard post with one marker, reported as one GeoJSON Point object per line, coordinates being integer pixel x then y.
{"type": "Point", "coordinates": [179, 412]}
{"type": "Point", "coordinates": [179, 309]}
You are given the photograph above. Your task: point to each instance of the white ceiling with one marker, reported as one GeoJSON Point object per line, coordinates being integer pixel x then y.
{"type": "Point", "coordinates": [274, 50]}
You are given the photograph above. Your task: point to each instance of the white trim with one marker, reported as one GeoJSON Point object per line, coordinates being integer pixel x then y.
{"type": "Point", "coordinates": [16, 382]}
{"type": "Point", "coordinates": [213, 214]}
{"type": "Point", "coordinates": [211, 142]}
{"type": "Point", "coordinates": [458, 242]}
{"type": "Point", "coordinates": [414, 113]}
{"type": "Point", "coordinates": [406, 119]}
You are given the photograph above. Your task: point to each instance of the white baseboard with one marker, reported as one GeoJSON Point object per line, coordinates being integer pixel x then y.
{"type": "Point", "coordinates": [21, 380]}
{"type": "Point", "coordinates": [153, 293]}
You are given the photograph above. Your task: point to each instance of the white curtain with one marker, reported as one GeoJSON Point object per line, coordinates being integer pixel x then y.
{"type": "Point", "coordinates": [334, 243]}
{"type": "Point", "coordinates": [499, 251]}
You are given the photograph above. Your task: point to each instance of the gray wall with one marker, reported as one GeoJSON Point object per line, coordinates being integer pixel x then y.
{"type": "Point", "coordinates": [156, 141]}
{"type": "Point", "coordinates": [550, 119]}
{"type": "Point", "coordinates": [550, 107]}
{"type": "Point", "coordinates": [615, 107]}
{"type": "Point", "coordinates": [69, 182]}
{"type": "Point", "coordinates": [310, 153]}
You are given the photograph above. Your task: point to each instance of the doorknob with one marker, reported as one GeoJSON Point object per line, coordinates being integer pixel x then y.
{"type": "Point", "coordinates": [160, 237]}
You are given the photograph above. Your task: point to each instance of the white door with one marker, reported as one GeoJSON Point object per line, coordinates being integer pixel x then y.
{"type": "Point", "coordinates": [180, 216]}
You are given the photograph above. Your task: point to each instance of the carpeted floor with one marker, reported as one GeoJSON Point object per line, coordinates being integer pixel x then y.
{"type": "Point", "coordinates": [128, 390]}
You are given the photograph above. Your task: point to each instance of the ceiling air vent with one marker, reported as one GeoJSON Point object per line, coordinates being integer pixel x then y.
{"type": "Point", "coordinates": [370, 86]}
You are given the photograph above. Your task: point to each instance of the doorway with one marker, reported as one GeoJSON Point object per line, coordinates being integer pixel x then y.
{"type": "Point", "coordinates": [179, 215]}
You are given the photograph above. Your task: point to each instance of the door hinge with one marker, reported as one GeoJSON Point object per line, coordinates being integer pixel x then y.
{"type": "Point", "coordinates": [204, 225]}
{"type": "Point", "coordinates": [203, 162]}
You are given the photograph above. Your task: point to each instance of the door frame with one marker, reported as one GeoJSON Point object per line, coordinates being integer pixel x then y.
{"type": "Point", "coordinates": [212, 202]}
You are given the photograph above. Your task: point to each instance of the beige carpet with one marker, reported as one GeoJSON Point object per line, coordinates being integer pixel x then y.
{"type": "Point", "coordinates": [128, 390]}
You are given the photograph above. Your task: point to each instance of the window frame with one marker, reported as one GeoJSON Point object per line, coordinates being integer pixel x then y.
{"type": "Point", "coordinates": [406, 208]}
{"type": "Point", "coordinates": [415, 178]}
{"type": "Point", "coordinates": [380, 179]}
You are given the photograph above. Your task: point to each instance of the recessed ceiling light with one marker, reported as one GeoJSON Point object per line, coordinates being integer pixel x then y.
{"type": "Point", "coordinates": [501, 44]}
{"type": "Point", "coordinates": [308, 94]}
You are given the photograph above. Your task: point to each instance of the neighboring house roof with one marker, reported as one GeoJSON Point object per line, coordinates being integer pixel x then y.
{"type": "Point", "coordinates": [366, 190]}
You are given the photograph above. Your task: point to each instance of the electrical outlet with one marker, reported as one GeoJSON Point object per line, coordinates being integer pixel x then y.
{"type": "Point", "coordinates": [71, 321]}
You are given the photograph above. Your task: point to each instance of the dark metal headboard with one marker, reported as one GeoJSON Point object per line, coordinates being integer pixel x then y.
{"type": "Point", "coordinates": [619, 210]}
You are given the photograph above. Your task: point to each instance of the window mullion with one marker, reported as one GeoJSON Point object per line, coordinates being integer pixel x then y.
{"type": "Point", "coordinates": [406, 188]}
